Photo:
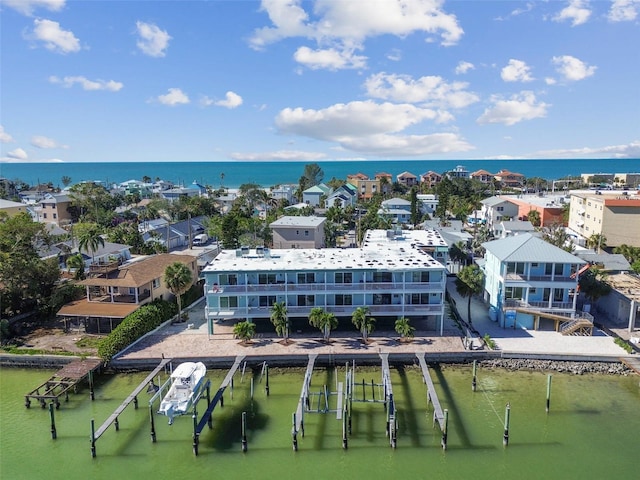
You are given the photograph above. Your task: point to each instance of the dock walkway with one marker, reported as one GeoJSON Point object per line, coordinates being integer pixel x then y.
{"type": "Point", "coordinates": [64, 380]}
{"type": "Point", "coordinates": [431, 392]}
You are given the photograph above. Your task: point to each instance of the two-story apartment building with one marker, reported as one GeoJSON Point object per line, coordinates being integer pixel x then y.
{"type": "Point", "coordinates": [495, 210]}
{"type": "Point", "coordinates": [366, 187]}
{"type": "Point", "coordinates": [298, 232]}
{"type": "Point", "coordinates": [392, 274]}
{"type": "Point", "coordinates": [528, 279]}
{"type": "Point", "coordinates": [54, 208]}
{"type": "Point", "coordinates": [615, 215]}
{"type": "Point", "coordinates": [398, 210]}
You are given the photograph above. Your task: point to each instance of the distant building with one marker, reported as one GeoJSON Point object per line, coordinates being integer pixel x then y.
{"type": "Point", "coordinates": [12, 208]}
{"type": "Point", "coordinates": [397, 209]}
{"type": "Point", "coordinates": [550, 208]}
{"type": "Point", "coordinates": [298, 232]}
{"type": "Point", "coordinates": [343, 196]}
{"type": "Point", "coordinates": [407, 179]}
{"type": "Point", "coordinates": [365, 186]}
{"type": "Point", "coordinates": [616, 215]}
{"type": "Point", "coordinates": [510, 179]}
{"type": "Point", "coordinates": [314, 195]}
{"type": "Point", "coordinates": [54, 208]}
{"type": "Point", "coordinates": [428, 203]}
{"type": "Point", "coordinates": [458, 172]}
{"type": "Point", "coordinates": [430, 179]}
{"type": "Point", "coordinates": [482, 176]}
{"type": "Point", "coordinates": [495, 210]}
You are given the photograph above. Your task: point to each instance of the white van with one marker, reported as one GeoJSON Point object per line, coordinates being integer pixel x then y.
{"type": "Point", "coordinates": [200, 240]}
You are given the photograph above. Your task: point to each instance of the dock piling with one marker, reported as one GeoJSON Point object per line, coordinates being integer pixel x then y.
{"type": "Point", "coordinates": [294, 434]}
{"type": "Point", "coordinates": [153, 424]}
{"type": "Point", "coordinates": [444, 430]}
{"type": "Point", "coordinates": [93, 438]}
{"type": "Point", "coordinates": [54, 433]}
{"type": "Point", "coordinates": [505, 437]}
{"type": "Point", "coordinates": [195, 432]}
{"type": "Point", "coordinates": [92, 394]}
{"type": "Point", "coordinates": [473, 381]}
{"type": "Point", "coordinates": [548, 392]}
{"type": "Point", "coordinates": [266, 372]}
{"type": "Point", "coordinates": [244, 431]}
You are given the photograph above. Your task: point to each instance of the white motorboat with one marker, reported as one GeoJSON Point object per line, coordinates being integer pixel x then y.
{"type": "Point", "coordinates": [186, 382]}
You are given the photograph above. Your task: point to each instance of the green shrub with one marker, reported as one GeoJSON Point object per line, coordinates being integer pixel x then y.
{"type": "Point", "coordinates": [624, 344]}
{"type": "Point", "coordinates": [134, 326]}
{"type": "Point", "coordinates": [489, 342]}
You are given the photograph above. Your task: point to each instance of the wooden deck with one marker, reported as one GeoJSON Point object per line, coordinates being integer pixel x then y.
{"type": "Point", "coordinates": [62, 381]}
{"type": "Point", "coordinates": [632, 363]}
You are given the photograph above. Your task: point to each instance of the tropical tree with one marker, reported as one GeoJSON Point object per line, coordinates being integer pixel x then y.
{"type": "Point", "coordinates": [597, 241]}
{"type": "Point", "coordinates": [77, 263]}
{"type": "Point", "coordinates": [89, 237]}
{"type": "Point", "coordinates": [415, 211]}
{"type": "Point", "coordinates": [534, 217]}
{"type": "Point", "coordinates": [556, 234]}
{"type": "Point", "coordinates": [313, 173]}
{"type": "Point", "coordinates": [66, 180]}
{"type": "Point", "coordinates": [593, 284]}
{"type": "Point", "coordinates": [178, 279]}
{"type": "Point", "coordinates": [404, 329]}
{"type": "Point", "coordinates": [280, 320]}
{"type": "Point", "coordinates": [325, 321]}
{"type": "Point", "coordinates": [458, 253]}
{"type": "Point", "coordinates": [244, 331]}
{"type": "Point", "coordinates": [470, 282]}
{"type": "Point", "coordinates": [363, 322]}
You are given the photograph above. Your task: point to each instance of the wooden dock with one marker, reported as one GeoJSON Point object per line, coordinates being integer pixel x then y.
{"type": "Point", "coordinates": [632, 362]}
{"type": "Point", "coordinates": [304, 396]}
{"type": "Point", "coordinates": [439, 415]}
{"type": "Point", "coordinates": [64, 380]}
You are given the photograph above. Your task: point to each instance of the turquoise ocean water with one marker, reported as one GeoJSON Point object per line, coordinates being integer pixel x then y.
{"type": "Point", "coordinates": [266, 174]}
{"type": "Point", "coordinates": [591, 431]}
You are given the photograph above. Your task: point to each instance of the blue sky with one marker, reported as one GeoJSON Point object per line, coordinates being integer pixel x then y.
{"type": "Point", "coordinates": [95, 81]}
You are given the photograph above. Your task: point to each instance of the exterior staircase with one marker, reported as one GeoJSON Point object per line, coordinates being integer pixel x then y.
{"type": "Point", "coordinates": [577, 327]}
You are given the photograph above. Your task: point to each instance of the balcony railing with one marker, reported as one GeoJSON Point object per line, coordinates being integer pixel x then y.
{"type": "Point", "coordinates": [543, 306]}
{"type": "Point", "coordinates": [328, 287]}
{"type": "Point", "coordinates": [103, 268]}
{"type": "Point", "coordinates": [537, 278]}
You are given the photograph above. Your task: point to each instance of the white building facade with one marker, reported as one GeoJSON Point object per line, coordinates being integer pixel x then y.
{"type": "Point", "coordinates": [392, 274]}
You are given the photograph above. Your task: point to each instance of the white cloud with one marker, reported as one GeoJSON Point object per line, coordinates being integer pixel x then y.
{"type": "Point", "coordinates": [550, 81]}
{"type": "Point", "coordinates": [624, 10]}
{"type": "Point", "coordinates": [174, 97]}
{"type": "Point", "coordinates": [519, 107]}
{"type": "Point", "coordinates": [573, 69]}
{"type": "Point", "coordinates": [369, 127]}
{"type": "Point", "coordinates": [18, 154]}
{"type": "Point", "coordinates": [232, 100]}
{"type": "Point", "coordinates": [630, 150]}
{"type": "Point", "coordinates": [153, 41]}
{"type": "Point", "coordinates": [432, 91]}
{"type": "Point", "coordinates": [516, 71]}
{"type": "Point", "coordinates": [40, 141]}
{"type": "Point", "coordinates": [577, 11]}
{"type": "Point", "coordinates": [463, 67]}
{"type": "Point", "coordinates": [54, 38]}
{"type": "Point", "coordinates": [280, 155]}
{"type": "Point", "coordinates": [87, 84]}
{"type": "Point", "coordinates": [27, 7]}
{"type": "Point", "coordinates": [4, 136]}
{"type": "Point", "coordinates": [394, 55]}
{"type": "Point", "coordinates": [329, 59]}
{"type": "Point", "coordinates": [340, 27]}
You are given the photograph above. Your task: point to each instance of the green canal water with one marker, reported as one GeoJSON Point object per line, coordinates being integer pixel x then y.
{"type": "Point", "coordinates": [591, 431]}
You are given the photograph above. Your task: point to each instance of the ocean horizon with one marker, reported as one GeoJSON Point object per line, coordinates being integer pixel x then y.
{"type": "Point", "coordinates": [232, 174]}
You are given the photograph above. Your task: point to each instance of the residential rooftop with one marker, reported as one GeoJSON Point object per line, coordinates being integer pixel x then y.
{"type": "Point", "coordinates": [381, 249]}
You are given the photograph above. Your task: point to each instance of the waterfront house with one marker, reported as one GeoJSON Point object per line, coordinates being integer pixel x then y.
{"type": "Point", "coordinates": [528, 279]}
{"type": "Point", "coordinates": [458, 172]}
{"type": "Point", "coordinates": [510, 179]}
{"type": "Point", "coordinates": [392, 274]}
{"type": "Point", "coordinates": [173, 194]}
{"type": "Point", "coordinates": [407, 179]}
{"type": "Point", "coordinates": [482, 176]}
{"type": "Point", "coordinates": [365, 186]}
{"type": "Point", "coordinates": [315, 195]}
{"type": "Point", "coordinates": [298, 232]}
{"type": "Point", "coordinates": [430, 179]}
{"type": "Point", "coordinates": [283, 192]}
{"type": "Point", "coordinates": [119, 290]}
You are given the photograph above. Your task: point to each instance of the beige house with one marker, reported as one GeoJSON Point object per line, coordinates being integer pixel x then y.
{"type": "Point", "coordinates": [510, 179]}
{"type": "Point", "coordinates": [366, 186]}
{"type": "Point", "coordinates": [53, 208]}
{"type": "Point", "coordinates": [12, 208]}
{"type": "Point", "coordinates": [115, 291]}
{"type": "Point", "coordinates": [407, 179]}
{"type": "Point", "coordinates": [430, 178]}
{"type": "Point", "coordinates": [615, 215]}
{"type": "Point", "coordinates": [298, 232]}
{"type": "Point", "coordinates": [482, 176]}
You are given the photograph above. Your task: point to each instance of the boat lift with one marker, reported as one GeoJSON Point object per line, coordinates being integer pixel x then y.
{"type": "Point", "coordinates": [320, 401]}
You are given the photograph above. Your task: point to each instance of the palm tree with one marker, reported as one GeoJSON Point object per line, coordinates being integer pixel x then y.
{"type": "Point", "coordinates": [89, 238]}
{"type": "Point", "coordinates": [363, 322]}
{"type": "Point", "coordinates": [178, 278]}
{"type": "Point", "coordinates": [77, 263]}
{"type": "Point", "coordinates": [280, 320]}
{"type": "Point", "coordinates": [470, 282]}
{"type": "Point", "coordinates": [325, 321]}
{"type": "Point", "coordinates": [597, 241]}
{"type": "Point", "coordinates": [244, 331]}
{"type": "Point", "coordinates": [404, 329]}
{"type": "Point", "coordinates": [534, 217]}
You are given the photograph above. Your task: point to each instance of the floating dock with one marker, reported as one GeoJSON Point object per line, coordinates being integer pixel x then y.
{"type": "Point", "coordinates": [64, 380]}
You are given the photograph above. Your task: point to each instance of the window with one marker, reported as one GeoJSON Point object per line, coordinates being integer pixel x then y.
{"type": "Point", "coordinates": [228, 302]}
{"type": "Point", "coordinates": [228, 279]}
{"type": "Point", "coordinates": [266, 278]}
{"type": "Point", "coordinates": [344, 277]}
{"type": "Point", "coordinates": [420, 277]}
{"type": "Point", "coordinates": [55, 215]}
{"type": "Point", "coordinates": [500, 209]}
{"type": "Point", "coordinates": [156, 283]}
{"type": "Point", "coordinates": [534, 265]}
{"type": "Point", "coordinates": [382, 299]}
{"type": "Point", "coordinates": [306, 278]}
{"type": "Point", "coordinates": [306, 300]}
{"type": "Point", "coordinates": [548, 268]}
{"type": "Point", "coordinates": [513, 292]}
{"type": "Point", "coordinates": [532, 291]}
{"type": "Point", "coordinates": [267, 300]}
{"type": "Point", "coordinates": [419, 299]}
{"type": "Point", "coordinates": [382, 277]}
{"type": "Point", "coordinates": [558, 294]}
{"type": "Point", "coordinates": [343, 299]}
{"type": "Point", "coordinates": [306, 233]}
{"type": "Point", "coordinates": [44, 215]}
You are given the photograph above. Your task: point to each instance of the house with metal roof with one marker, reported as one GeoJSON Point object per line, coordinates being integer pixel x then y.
{"type": "Point", "coordinates": [495, 209]}
{"type": "Point", "coordinates": [528, 280]}
{"type": "Point", "coordinates": [313, 196]}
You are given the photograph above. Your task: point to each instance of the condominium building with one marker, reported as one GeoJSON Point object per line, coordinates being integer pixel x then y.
{"type": "Point", "coordinates": [394, 274]}
{"type": "Point", "coordinates": [615, 215]}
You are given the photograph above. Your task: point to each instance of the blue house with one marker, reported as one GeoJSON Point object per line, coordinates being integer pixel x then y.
{"type": "Point", "coordinates": [528, 280]}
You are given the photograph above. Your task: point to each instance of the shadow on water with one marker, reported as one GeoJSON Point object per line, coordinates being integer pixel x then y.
{"type": "Point", "coordinates": [453, 408]}
{"type": "Point", "coordinates": [408, 414]}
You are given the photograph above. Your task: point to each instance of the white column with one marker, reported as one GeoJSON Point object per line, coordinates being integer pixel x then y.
{"type": "Point", "coordinates": [632, 315]}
